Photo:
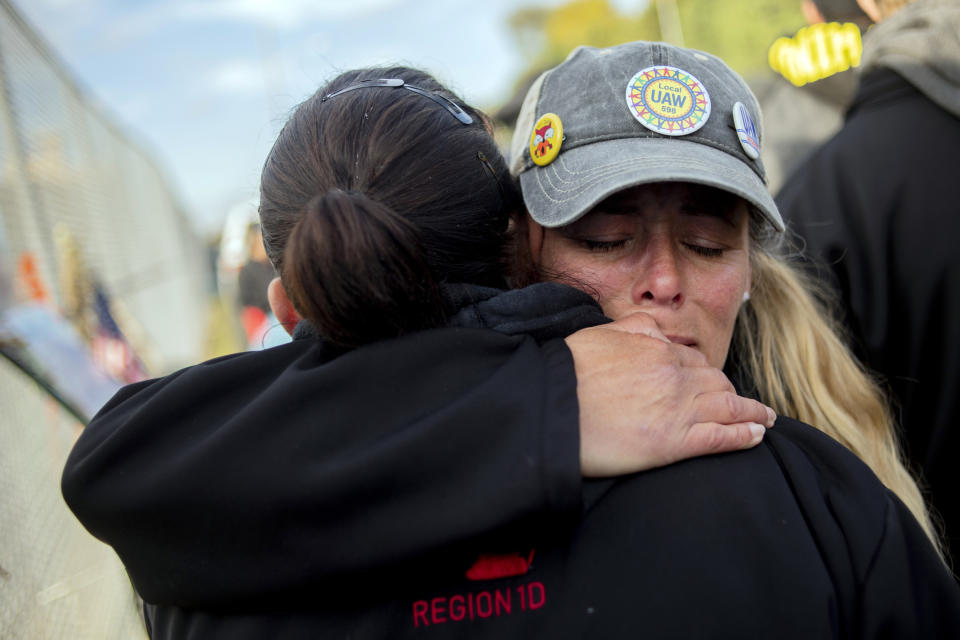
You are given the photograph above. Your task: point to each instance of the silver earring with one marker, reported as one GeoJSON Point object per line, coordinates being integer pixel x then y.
{"type": "Point", "coordinates": [746, 296]}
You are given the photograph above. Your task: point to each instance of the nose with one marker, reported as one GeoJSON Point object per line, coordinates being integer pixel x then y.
{"type": "Point", "coordinates": [659, 280]}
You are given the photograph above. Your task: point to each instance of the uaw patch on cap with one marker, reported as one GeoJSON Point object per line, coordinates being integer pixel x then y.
{"type": "Point", "coordinates": [546, 139]}
{"type": "Point", "coordinates": [746, 131]}
{"type": "Point", "coordinates": [668, 100]}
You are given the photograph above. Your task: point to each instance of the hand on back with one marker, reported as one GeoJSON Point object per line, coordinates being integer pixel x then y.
{"type": "Point", "coordinates": [646, 403]}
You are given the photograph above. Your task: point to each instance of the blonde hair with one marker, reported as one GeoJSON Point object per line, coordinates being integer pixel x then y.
{"type": "Point", "coordinates": [791, 348]}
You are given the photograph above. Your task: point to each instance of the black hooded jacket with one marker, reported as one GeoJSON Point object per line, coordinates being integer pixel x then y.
{"type": "Point", "coordinates": [877, 207]}
{"type": "Point", "coordinates": [428, 487]}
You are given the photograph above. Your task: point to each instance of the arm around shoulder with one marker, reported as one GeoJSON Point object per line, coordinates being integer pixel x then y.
{"type": "Point", "coordinates": [270, 472]}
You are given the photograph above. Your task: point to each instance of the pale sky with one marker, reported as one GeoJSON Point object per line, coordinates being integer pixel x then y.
{"type": "Point", "coordinates": [205, 85]}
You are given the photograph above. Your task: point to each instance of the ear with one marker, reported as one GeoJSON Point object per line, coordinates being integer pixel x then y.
{"type": "Point", "coordinates": [281, 306]}
{"type": "Point", "coordinates": [749, 279]}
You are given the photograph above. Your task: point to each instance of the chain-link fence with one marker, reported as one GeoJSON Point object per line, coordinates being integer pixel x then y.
{"type": "Point", "coordinates": [56, 581]}
{"type": "Point", "coordinates": [66, 171]}
{"type": "Point", "coordinates": [87, 221]}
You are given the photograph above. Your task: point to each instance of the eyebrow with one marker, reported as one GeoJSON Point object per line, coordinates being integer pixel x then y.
{"type": "Point", "coordinates": [689, 206]}
{"type": "Point", "coordinates": [710, 209]}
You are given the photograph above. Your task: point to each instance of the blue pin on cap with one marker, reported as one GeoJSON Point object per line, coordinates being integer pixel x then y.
{"type": "Point", "coordinates": [746, 131]}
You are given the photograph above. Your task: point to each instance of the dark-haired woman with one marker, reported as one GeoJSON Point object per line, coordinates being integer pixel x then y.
{"type": "Point", "coordinates": [428, 484]}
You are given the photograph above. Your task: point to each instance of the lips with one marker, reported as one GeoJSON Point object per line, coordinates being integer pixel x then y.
{"type": "Point", "coordinates": [687, 342]}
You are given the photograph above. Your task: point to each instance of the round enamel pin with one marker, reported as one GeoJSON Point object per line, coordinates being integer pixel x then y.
{"type": "Point", "coordinates": [668, 100]}
{"type": "Point", "coordinates": [546, 139]}
{"type": "Point", "coordinates": [746, 131]}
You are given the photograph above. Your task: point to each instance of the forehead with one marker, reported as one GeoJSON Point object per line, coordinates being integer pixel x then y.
{"type": "Point", "coordinates": [684, 197]}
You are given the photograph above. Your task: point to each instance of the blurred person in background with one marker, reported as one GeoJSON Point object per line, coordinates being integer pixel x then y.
{"type": "Point", "coordinates": [805, 105]}
{"type": "Point", "coordinates": [877, 207]}
{"type": "Point", "coordinates": [252, 282]}
{"type": "Point", "coordinates": [223, 527]}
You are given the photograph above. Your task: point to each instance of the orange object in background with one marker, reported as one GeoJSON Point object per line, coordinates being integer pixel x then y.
{"type": "Point", "coordinates": [29, 276]}
{"type": "Point", "coordinates": [252, 319]}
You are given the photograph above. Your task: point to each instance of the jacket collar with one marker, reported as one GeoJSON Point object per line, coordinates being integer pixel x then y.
{"type": "Point", "coordinates": [544, 311]}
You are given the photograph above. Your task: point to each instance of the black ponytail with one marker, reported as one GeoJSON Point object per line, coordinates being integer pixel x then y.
{"type": "Point", "coordinates": [372, 199]}
{"type": "Point", "coordinates": [357, 270]}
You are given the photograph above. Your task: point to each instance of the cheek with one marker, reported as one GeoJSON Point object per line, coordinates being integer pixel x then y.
{"type": "Point", "coordinates": [722, 293]}
{"type": "Point", "coordinates": [605, 280]}
{"type": "Point", "coordinates": [719, 296]}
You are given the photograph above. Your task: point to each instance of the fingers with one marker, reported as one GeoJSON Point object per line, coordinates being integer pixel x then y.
{"type": "Point", "coordinates": [638, 322]}
{"type": "Point", "coordinates": [709, 437]}
{"type": "Point", "coordinates": [640, 335]}
{"type": "Point", "coordinates": [725, 407]}
{"type": "Point", "coordinates": [644, 324]}
{"type": "Point", "coordinates": [690, 357]}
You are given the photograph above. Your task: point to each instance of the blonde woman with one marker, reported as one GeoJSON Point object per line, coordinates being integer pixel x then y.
{"type": "Point", "coordinates": [784, 343]}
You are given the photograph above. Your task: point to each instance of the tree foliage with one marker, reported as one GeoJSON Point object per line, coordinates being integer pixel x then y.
{"type": "Point", "coordinates": [739, 31]}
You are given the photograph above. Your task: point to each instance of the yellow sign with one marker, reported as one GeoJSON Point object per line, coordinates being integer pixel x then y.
{"type": "Point", "coordinates": [816, 52]}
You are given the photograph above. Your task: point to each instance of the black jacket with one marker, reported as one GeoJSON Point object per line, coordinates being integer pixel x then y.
{"type": "Point", "coordinates": [429, 487]}
{"type": "Point", "coordinates": [878, 207]}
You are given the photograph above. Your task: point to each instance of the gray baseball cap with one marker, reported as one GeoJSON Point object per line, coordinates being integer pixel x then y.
{"type": "Point", "coordinates": [608, 119]}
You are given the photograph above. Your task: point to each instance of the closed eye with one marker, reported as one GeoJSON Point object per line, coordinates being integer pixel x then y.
{"type": "Point", "coordinates": [709, 252]}
{"type": "Point", "coordinates": [601, 246]}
